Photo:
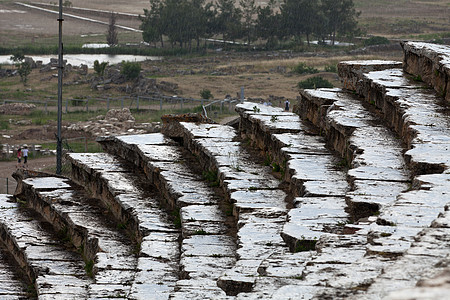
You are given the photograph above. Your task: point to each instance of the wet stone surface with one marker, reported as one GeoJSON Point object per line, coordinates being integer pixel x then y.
{"type": "Point", "coordinates": [349, 71]}
{"type": "Point", "coordinates": [57, 270]}
{"type": "Point", "coordinates": [112, 258]}
{"type": "Point", "coordinates": [202, 222]}
{"type": "Point", "coordinates": [430, 62]}
{"type": "Point", "coordinates": [156, 264]}
{"type": "Point", "coordinates": [259, 212]}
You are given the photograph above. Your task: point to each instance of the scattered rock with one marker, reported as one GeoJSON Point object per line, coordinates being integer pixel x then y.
{"type": "Point", "coordinates": [16, 108]}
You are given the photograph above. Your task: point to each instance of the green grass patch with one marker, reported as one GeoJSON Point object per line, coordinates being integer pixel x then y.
{"type": "Point", "coordinates": [4, 125]}
{"type": "Point", "coordinates": [315, 83]}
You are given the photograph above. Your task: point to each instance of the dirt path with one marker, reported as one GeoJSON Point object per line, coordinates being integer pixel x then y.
{"type": "Point", "coordinates": [7, 168]}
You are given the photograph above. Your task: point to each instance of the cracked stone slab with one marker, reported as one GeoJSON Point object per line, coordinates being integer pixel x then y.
{"type": "Point", "coordinates": [66, 271]}
{"type": "Point", "coordinates": [113, 249]}
{"type": "Point", "coordinates": [255, 108]}
{"type": "Point", "coordinates": [315, 167]}
{"type": "Point", "coordinates": [145, 139]}
{"type": "Point", "coordinates": [349, 71]}
{"type": "Point", "coordinates": [278, 123]}
{"type": "Point", "coordinates": [199, 289]}
{"type": "Point", "coordinates": [249, 200]}
{"type": "Point", "coordinates": [209, 131]}
{"type": "Point", "coordinates": [202, 219]}
{"type": "Point", "coordinates": [300, 144]}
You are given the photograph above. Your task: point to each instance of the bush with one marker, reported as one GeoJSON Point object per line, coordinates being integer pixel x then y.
{"type": "Point", "coordinates": [331, 68]}
{"type": "Point", "coordinates": [302, 68]}
{"type": "Point", "coordinates": [206, 94]}
{"type": "Point", "coordinates": [315, 82]}
{"type": "Point", "coordinates": [130, 70]}
{"type": "Point", "coordinates": [376, 40]}
{"type": "Point", "coordinates": [99, 68]}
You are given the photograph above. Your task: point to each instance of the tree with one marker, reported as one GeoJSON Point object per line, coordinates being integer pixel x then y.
{"type": "Point", "coordinates": [152, 26]}
{"type": "Point", "coordinates": [111, 35]}
{"type": "Point", "coordinates": [23, 67]}
{"type": "Point", "coordinates": [341, 17]}
{"type": "Point", "coordinates": [24, 70]}
{"type": "Point", "coordinates": [229, 20]}
{"type": "Point", "coordinates": [268, 23]}
{"type": "Point", "coordinates": [301, 17]}
{"type": "Point", "coordinates": [249, 10]}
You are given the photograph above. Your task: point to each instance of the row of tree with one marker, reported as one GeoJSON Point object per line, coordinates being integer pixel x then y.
{"type": "Point", "coordinates": [184, 21]}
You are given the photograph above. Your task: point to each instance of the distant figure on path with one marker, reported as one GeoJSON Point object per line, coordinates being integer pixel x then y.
{"type": "Point", "coordinates": [286, 105]}
{"type": "Point", "coordinates": [19, 157]}
{"type": "Point", "coordinates": [25, 155]}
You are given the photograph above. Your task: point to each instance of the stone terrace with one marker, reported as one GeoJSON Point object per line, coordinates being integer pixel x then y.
{"type": "Point", "coordinates": [344, 198]}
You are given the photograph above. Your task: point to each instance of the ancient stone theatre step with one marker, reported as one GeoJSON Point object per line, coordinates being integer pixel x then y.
{"type": "Point", "coordinates": [202, 222]}
{"type": "Point", "coordinates": [57, 272]}
{"type": "Point", "coordinates": [107, 251]}
{"type": "Point", "coordinates": [258, 204]}
{"type": "Point", "coordinates": [137, 206]}
{"type": "Point", "coordinates": [430, 63]}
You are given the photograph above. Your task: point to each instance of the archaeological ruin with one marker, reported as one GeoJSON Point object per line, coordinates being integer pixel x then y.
{"type": "Point", "coordinates": [346, 197]}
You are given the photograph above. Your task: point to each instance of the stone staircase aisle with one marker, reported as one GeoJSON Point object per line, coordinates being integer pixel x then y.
{"type": "Point", "coordinates": [338, 263]}
{"type": "Point", "coordinates": [422, 121]}
{"type": "Point", "coordinates": [206, 243]}
{"type": "Point", "coordinates": [136, 205]}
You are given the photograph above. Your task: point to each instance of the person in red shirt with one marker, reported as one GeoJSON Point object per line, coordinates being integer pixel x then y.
{"type": "Point", "coordinates": [19, 157]}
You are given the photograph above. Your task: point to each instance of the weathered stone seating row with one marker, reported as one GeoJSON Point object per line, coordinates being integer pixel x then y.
{"type": "Point", "coordinates": [378, 172]}
{"type": "Point", "coordinates": [259, 205]}
{"type": "Point", "coordinates": [206, 248]}
{"type": "Point", "coordinates": [138, 210]}
{"type": "Point", "coordinates": [56, 271]}
{"type": "Point", "coordinates": [11, 287]}
{"type": "Point", "coordinates": [105, 249]}
{"type": "Point", "coordinates": [415, 114]}
{"type": "Point", "coordinates": [430, 63]}
{"type": "Point", "coordinates": [341, 261]}
{"type": "Point", "coordinates": [422, 124]}
{"type": "Point", "coordinates": [311, 169]}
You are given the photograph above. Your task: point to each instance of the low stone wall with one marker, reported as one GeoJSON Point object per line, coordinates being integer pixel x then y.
{"type": "Point", "coordinates": [430, 63]}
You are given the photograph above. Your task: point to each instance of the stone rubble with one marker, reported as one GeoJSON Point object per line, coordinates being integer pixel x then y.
{"type": "Point", "coordinates": [115, 122]}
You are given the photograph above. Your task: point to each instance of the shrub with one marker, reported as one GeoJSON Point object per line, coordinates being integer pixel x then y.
{"type": "Point", "coordinates": [130, 69]}
{"type": "Point", "coordinates": [302, 68]}
{"type": "Point", "coordinates": [315, 82]}
{"type": "Point", "coordinates": [331, 68]}
{"type": "Point", "coordinates": [99, 68]}
{"type": "Point", "coordinates": [376, 40]}
{"type": "Point", "coordinates": [206, 94]}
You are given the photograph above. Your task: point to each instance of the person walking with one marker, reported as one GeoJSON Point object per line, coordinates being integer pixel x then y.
{"type": "Point", "coordinates": [286, 105]}
{"type": "Point", "coordinates": [19, 157]}
{"type": "Point", "coordinates": [25, 156]}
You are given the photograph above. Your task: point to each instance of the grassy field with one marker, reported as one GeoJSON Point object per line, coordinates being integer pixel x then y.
{"type": "Point", "coordinates": [403, 19]}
